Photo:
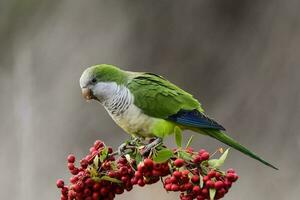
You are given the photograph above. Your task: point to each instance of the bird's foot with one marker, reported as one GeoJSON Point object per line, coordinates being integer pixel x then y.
{"type": "Point", "coordinates": [121, 149]}
{"type": "Point", "coordinates": [150, 146]}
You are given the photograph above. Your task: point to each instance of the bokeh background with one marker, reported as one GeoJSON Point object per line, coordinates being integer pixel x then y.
{"type": "Point", "coordinates": [240, 58]}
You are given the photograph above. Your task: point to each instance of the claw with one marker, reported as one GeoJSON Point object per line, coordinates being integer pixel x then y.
{"type": "Point", "coordinates": [151, 145]}
{"type": "Point", "coordinates": [121, 149]}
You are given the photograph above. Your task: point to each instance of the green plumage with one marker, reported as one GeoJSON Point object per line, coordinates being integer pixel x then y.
{"type": "Point", "coordinates": [157, 97]}
{"type": "Point", "coordinates": [160, 98]}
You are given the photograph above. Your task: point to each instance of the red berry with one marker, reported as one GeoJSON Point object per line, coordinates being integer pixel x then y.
{"type": "Point", "coordinates": [195, 179]}
{"type": "Point", "coordinates": [71, 166]}
{"type": "Point", "coordinates": [168, 187]}
{"type": "Point", "coordinates": [71, 158]}
{"type": "Point", "coordinates": [185, 172]}
{"type": "Point", "coordinates": [210, 184]}
{"type": "Point", "coordinates": [148, 163]}
{"type": "Point", "coordinates": [232, 177]}
{"type": "Point", "coordinates": [177, 174]}
{"type": "Point", "coordinates": [96, 187]}
{"type": "Point", "coordinates": [211, 174]}
{"type": "Point", "coordinates": [98, 144]}
{"type": "Point", "coordinates": [196, 189]}
{"type": "Point", "coordinates": [104, 191]}
{"type": "Point", "coordinates": [205, 178]}
{"type": "Point", "coordinates": [174, 187]}
{"type": "Point", "coordinates": [179, 162]}
{"type": "Point", "coordinates": [188, 186]}
{"type": "Point", "coordinates": [138, 174]}
{"type": "Point", "coordinates": [231, 171]}
{"type": "Point", "coordinates": [60, 183]}
{"type": "Point", "coordinates": [96, 196]}
{"type": "Point", "coordinates": [141, 167]}
{"type": "Point", "coordinates": [141, 182]}
{"type": "Point", "coordinates": [205, 156]}
{"type": "Point", "coordinates": [219, 185]}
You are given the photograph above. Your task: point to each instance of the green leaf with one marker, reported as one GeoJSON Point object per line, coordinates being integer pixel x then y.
{"type": "Point", "coordinates": [213, 163]}
{"type": "Point", "coordinates": [185, 156]}
{"type": "Point", "coordinates": [138, 157]}
{"type": "Point", "coordinates": [223, 157]}
{"type": "Point", "coordinates": [107, 178]}
{"type": "Point", "coordinates": [127, 156]}
{"type": "Point", "coordinates": [217, 163]}
{"type": "Point", "coordinates": [201, 181]}
{"type": "Point", "coordinates": [96, 179]}
{"type": "Point", "coordinates": [114, 166]}
{"type": "Point", "coordinates": [103, 154]}
{"type": "Point", "coordinates": [163, 155]}
{"type": "Point", "coordinates": [178, 136]}
{"type": "Point", "coordinates": [189, 141]}
{"type": "Point", "coordinates": [93, 172]}
{"type": "Point", "coordinates": [96, 161]}
{"type": "Point", "coordinates": [212, 193]}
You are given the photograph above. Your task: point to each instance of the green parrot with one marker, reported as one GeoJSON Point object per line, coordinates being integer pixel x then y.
{"type": "Point", "coordinates": [147, 105]}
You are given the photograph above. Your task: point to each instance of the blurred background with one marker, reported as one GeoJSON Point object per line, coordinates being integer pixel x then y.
{"type": "Point", "coordinates": [240, 58]}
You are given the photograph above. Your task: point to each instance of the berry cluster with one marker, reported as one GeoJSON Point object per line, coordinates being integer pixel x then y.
{"type": "Point", "coordinates": [197, 180]}
{"type": "Point", "coordinates": [102, 176]}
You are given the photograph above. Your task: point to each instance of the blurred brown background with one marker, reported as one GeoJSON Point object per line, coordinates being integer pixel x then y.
{"type": "Point", "coordinates": [240, 58]}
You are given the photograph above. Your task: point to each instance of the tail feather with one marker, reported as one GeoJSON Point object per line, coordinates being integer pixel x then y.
{"type": "Point", "coordinates": [221, 136]}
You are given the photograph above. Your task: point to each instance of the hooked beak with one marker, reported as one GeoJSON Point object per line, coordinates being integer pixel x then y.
{"type": "Point", "coordinates": [87, 94]}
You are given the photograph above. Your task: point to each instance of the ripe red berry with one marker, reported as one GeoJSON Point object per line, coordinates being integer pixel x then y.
{"type": "Point", "coordinates": [71, 158]}
{"type": "Point", "coordinates": [168, 187]}
{"type": "Point", "coordinates": [230, 170]}
{"type": "Point", "coordinates": [148, 163]}
{"type": "Point", "coordinates": [71, 166]}
{"type": "Point", "coordinates": [179, 162]}
{"type": "Point", "coordinates": [219, 185]}
{"type": "Point", "coordinates": [205, 178]}
{"type": "Point", "coordinates": [195, 179]}
{"type": "Point", "coordinates": [211, 174]}
{"type": "Point", "coordinates": [141, 182]}
{"type": "Point", "coordinates": [232, 177]}
{"type": "Point", "coordinates": [196, 189]}
{"type": "Point", "coordinates": [98, 144]}
{"type": "Point", "coordinates": [174, 187]}
{"type": "Point", "coordinates": [60, 183]}
{"type": "Point", "coordinates": [177, 174]}
{"type": "Point", "coordinates": [205, 156]}
{"type": "Point", "coordinates": [210, 184]}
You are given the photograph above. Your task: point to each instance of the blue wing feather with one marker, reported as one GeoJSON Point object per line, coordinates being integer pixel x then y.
{"type": "Point", "coordinates": [196, 119]}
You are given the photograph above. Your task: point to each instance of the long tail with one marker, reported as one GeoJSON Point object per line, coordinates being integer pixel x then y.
{"type": "Point", "coordinates": [221, 136]}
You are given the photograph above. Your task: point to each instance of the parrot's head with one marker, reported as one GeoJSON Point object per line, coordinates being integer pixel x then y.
{"type": "Point", "coordinates": [100, 82]}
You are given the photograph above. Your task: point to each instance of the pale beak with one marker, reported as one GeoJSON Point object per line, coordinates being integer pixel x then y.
{"type": "Point", "coordinates": [87, 94]}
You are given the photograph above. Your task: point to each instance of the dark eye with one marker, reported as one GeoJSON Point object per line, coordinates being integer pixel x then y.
{"type": "Point", "coordinates": [94, 80]}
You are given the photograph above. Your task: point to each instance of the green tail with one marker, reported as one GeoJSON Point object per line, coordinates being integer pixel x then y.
{"type": "Point", "coordinates": [219, 135]}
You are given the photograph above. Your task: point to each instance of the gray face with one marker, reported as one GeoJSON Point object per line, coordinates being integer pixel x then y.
{"type": "Point", "coordinates": [105, 90]}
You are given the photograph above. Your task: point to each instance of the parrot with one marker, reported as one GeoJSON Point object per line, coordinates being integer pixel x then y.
{"type": "Point", "coordinates": [147, 105]}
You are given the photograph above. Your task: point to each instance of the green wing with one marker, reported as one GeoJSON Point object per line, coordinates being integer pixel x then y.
{"type": "Point", "coordinates": [157, 97]}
